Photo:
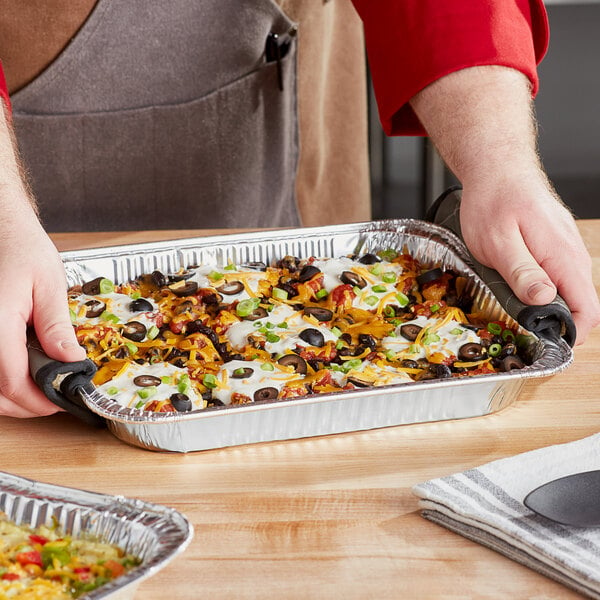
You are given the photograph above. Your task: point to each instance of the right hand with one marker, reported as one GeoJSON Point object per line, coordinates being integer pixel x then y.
{"type": "Point", "coordinates": [34, 294]}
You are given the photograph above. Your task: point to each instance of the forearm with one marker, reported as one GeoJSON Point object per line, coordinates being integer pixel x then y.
{"type": "Point", "coordinates": [481, 121]}
{"type": "Point", "coordinates": [15, 195]}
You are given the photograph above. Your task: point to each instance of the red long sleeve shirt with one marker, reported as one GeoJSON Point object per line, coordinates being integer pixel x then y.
{"type": "Point", "coordinates": [411, 43]}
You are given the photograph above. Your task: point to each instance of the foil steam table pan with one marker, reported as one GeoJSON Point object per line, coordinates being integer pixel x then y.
{"type": "Point", "coordinates": [154, 533]}
{"type": "Point", "coordinates": [350, 410]}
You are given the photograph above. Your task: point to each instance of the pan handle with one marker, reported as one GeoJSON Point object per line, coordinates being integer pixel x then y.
{"type": "Point", "coordinates": [62, 383]}
{"type": "Point", "coordinates": [549, 321]}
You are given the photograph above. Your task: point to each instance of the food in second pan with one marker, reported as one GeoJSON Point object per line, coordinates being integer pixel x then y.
{"type": "Point", "coordinates": [41, 563]}
{"type": "Point", "coordinates": [215, 335]}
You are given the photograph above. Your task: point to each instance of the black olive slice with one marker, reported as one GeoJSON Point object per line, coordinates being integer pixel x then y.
{"type": "Point", "coordinates": [470, 351]}
{"type": "Point", "coordinates": [351, 278]}
{"type": "Point", "coordinates": [146, 380]}
{"type": "Point", "coordinates": [180, 402]}
{"type": "Point", "coordinates": [369, 259]}
{"type": "Point", "coordinates": [407, 363]}
{"type": "Point", "coordinates": [321, 314]}
{"type": "Point", "coordinates": [181, 276]}
{"type": "Point", "coordinates": [258, 313]}
{"type": "Point", "coordinates": [140, 305]}
{"type": "Point", "coordinates": [508, 349]}
{"type": "Point", "coordinates": [410, 331]}
{"type": "Point", "coordinates": [291, 263]}
{"type": "Point", "coordinates": [185, 306]}
{"type": "Point", "coordinates": [184, 288]}
{"type": "Point", "coordinates": [242, 373]}
{"type": "Point", "coordinates": [134, 331]}
{"type": "Point", "coordinates": [358, 382]}
{"type": "Point", "coordinates": [313, 337]}
{"type": "Point", "coordinates": [511, 362]}
{"type": "Point", "coordinates": [308, 272]}
{"type": "Point", "coordinates": [231, 287]}
{"type": "Point", "coordinates": [91, 288]}
{"type": "Point", "coordinates": [255, 265]}
{"type": "Point", "coordinates": [266, 393]}
{"type": "Point", "coordinates": [293, 360]}
{"type": "Point", "coordinates": [429, 276]}
{"type": "Point", "coordinates": [158, 279]}
{"type": "Point", "coordinates": [95, 308]}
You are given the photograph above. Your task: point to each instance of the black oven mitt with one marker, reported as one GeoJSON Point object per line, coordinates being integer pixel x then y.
{"type": "Point", "coordinates": [62, 383]}
{"type": "Point", "coordinates": [551, 321]}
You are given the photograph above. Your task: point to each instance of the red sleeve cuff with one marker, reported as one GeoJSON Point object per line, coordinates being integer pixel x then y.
{"type": "Point", "coordinates": [412, 43]}
{"type": "Point", "coordinates": [4, 88]}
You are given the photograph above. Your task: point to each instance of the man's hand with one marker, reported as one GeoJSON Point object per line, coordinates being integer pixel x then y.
{"type": "Point", "coordinates": [33, 292]}
{"type": "Point", "coordinates": [481, 121]}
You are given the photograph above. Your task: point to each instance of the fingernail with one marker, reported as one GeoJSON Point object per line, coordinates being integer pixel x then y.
{"type": "Point", "coordinates": [68, 345]}
{"type": "Point", "coordinates": [539, 287]}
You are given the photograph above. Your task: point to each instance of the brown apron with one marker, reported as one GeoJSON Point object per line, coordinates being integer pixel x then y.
{"type": "Point", "coordinates": [165, 115]}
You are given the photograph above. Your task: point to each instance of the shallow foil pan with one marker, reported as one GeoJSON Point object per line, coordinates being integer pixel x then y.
{"type": "Point", "coordinates": [153, 533]}
{"type": "Point", "coordinates": [323, 414]}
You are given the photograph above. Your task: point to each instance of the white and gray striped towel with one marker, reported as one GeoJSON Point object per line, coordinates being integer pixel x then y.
{"type": "Point", "coordinates": [485, 504]}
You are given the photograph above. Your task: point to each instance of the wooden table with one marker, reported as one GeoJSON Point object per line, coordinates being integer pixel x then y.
{"type": "Point", "coordinates": [330, 517]}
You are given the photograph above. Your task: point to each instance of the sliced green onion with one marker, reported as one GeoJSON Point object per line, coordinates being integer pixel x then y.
{"type": "Point", "coordinates": [402, 299]}
{"type": "Point", "coordinates": [239, 371]}
{"type": "Point", "coordinates": [523, 340]}
{"type": "Point", "coordinates": [457, 331]}
{"type": "Point", "coordinates": [390, 354]}
{"type": "Point", "coordinates": [283, 325]}
{"type": "Point", "coordinates": [429, 338]}
{"type": "Point", "coordinates": [435, 308]}
{"type": "Point", "coordinates": [389, 311]}
{"type": "Point", "coordinates": [230, 267]}
{"type": "Point", "coordinates": [379, 289]}
{"type": "Point", "coordinates": [215, 275]}
{"type": "Point", "coordinates": [106, 316]}
{"type": "Point", "coordinates": [111, 391]}
{"type": "Point", "coordinates": [389, 277]}
{"type": "Point", "coordinates": [135, 295]}
{"type": "Point", "coordinates": [184, 383]}
{"type": "Point", "coordinates": [167, 380]}
{"type": "Point", "coordinates": [209, 380]}
{"type": "Point", "coordinates": [279, 294]}
{"type": "Point", "coordinates": [322, 293]}
{"type": "Point", "coordinates": [246, 307]}
{"type": "Point", "coordinates": [72, 315]}
{"type": "Point", "coordinates": [336, 331]}
{"type": "Point", "coordinates": [494, 328]}
{"type": "Point", "coordinates": [356, 290]}
{"type": "Point", "coordinates": [139, 404]}
{"type": "Point", "coordinates": [147, 392]}
{"type": "Point", "coordinates": [376, 269]}
{"type": "Point", "coordinates": [270, 325]}
{"type": "Point", "coordinates": [339, 345]}
{"type": "Point", "coordinates": [106, 286]}
{"type": "Point", "coordinates": [131, 348]}
{"type": "Point", "coordinates": [152, 332]}
{"type": "Point", "coordinates": [267, 367]}
{"type": "Point", "coordinates": [371, 300]}
{"type": "Point", "coordinates": [351, 364]}
{"type": "Point", "coordinates": [494, 349]}
{"type": "Point", "coordinates": [388, 254]}
{"type": "Point", "coordinates": [413, 349]}
{"type": "Point", "coordinates": [272, 338]}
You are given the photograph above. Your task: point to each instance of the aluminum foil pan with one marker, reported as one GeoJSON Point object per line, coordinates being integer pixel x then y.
{"type": "Point", "coordinates": [154, 533]}
{"type": "Point", "coordinates": [344, 411]}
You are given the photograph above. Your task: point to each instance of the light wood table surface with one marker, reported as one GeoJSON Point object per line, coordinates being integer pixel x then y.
{"type": "Point", "coordinates": [330, 517]}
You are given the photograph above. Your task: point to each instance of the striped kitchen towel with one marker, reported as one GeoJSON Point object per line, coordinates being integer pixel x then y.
{"type": "Point", "coordinates": [485, 504]}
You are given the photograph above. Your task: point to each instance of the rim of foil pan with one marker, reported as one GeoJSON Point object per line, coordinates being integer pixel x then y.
{"type": "Point", "coordinates": [154, 533]}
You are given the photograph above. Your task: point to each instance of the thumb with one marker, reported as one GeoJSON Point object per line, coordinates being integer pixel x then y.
{"type": "Point", "coordinates": [54, 330]}
{"type": "Point", "coordinates": [530, 283]}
